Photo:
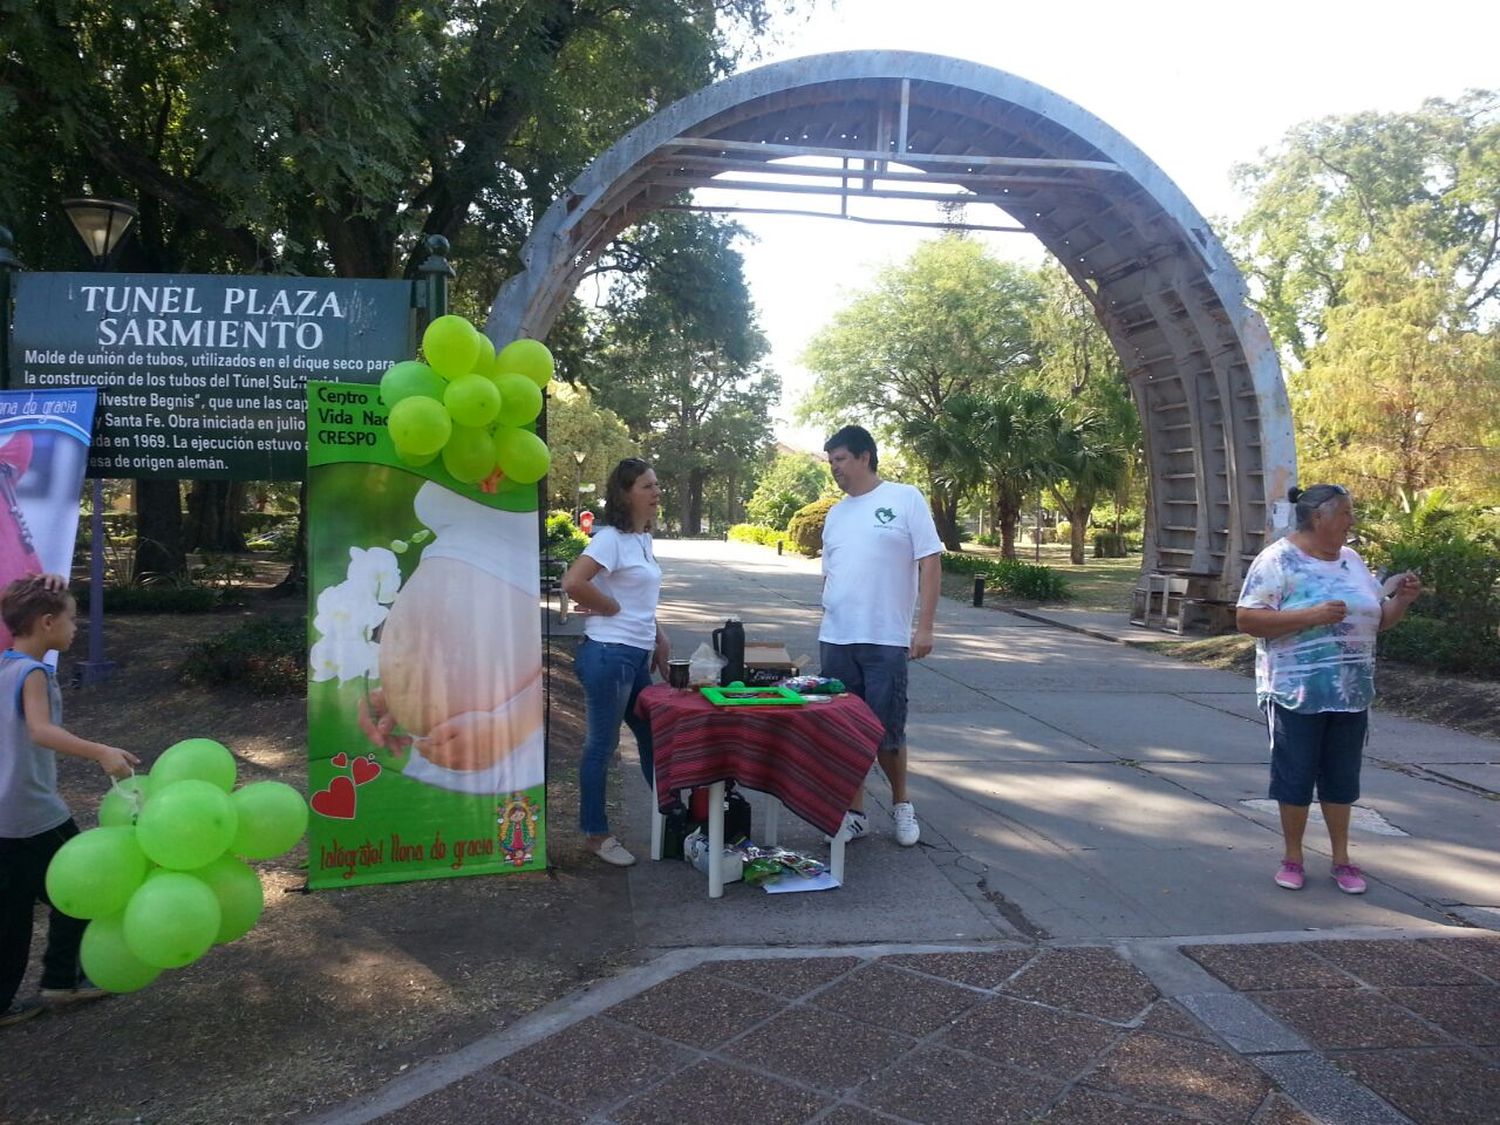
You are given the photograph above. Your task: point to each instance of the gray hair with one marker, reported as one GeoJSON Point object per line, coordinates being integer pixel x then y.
{"type": "Point", "coordinates": [1310, 502]}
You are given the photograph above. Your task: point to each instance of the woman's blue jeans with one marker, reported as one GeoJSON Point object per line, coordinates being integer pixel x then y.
{"type": "Point", "coordinates": [612, 676]}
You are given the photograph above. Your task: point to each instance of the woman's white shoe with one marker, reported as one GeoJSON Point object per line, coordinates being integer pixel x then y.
{"type": "Point", "coordinates": [613, 852]}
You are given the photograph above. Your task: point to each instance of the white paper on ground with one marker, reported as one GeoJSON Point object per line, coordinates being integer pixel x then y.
{"type": "Point", "coordinates": [793, 882]}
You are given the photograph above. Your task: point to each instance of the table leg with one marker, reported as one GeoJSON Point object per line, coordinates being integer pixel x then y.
{"type": "Point", "coordinates": [836, 856]}
{"type": "Point", "coordinates": [716, 840]}
{"type": "Point", "coordinates": [658, 823]}
{"type": "Point", "coordinates": [773, 814]}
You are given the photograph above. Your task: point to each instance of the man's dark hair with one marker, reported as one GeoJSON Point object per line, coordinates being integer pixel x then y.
{"type": "Point", "coordinates": [857, 440]}
{"type": "Point", "coordinates": [27, 599]}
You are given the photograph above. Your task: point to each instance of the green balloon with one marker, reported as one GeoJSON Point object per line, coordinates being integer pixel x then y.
{"type": "Point", "coordinates": [414, 461]}
{"type": "Point", "coordinates": [186, 824]}
{"type": "Point", "coordinates": [485, 363]}
{"type": "Point", "coordinates": [107, 959]}
{"type": "Point", "coordinates": [526, 357]}
{"type": "Point", "coordinates": [472, 400]}
{"type": "Point", "coordinates": [238, 890]}
{"type": "Point", "coordinates": [117, 810]}
{"type": "Point", "coordinates": [407, 378]}
{"type": "Point", "coordinates": [171, 920]}
{"type": "Point", "coordinates": [200, 759]}
{"type": "Point", "coordinates": [469, 454]}
{"type": "Point", "coordinates": [451, 346]}
{"type": "Point", "coordinates": [522, 455]}
{"type": "Point", "coordinates": [520, 400]}
{"type": "Point", "coordinates": [419, 426]}
{"type": "Point", "coordinates": [95, 873]}
{"type": "Point", "coordinates": [272, 818]}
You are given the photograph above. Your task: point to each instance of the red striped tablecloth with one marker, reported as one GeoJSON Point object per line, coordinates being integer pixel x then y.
{"type": "Point", "coordinates": [812, 757]}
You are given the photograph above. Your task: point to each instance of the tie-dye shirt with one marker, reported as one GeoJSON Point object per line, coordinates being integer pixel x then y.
{"type": "Point", "coordinates": [1325, 667]}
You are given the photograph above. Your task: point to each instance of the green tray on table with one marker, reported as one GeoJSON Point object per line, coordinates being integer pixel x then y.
{"type": "Point", "coordinates": [751, 696]}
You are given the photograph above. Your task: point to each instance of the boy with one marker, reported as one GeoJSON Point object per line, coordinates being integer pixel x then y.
{"type": "Point", "coordinates": [34, 821]}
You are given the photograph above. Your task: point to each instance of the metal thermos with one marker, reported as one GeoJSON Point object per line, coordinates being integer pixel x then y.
{"type": "Point", "coordinates": [729, 642]}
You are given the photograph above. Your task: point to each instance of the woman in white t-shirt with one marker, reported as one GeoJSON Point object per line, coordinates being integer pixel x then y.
{"type": "Point", "coordinates": [617, 584]}
{"type": "Point", "coordinates": [1314, 610]}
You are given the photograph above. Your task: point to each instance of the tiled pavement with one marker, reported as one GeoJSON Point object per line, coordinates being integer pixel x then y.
{"type": "Point", "coordinates": [1278, 1031]}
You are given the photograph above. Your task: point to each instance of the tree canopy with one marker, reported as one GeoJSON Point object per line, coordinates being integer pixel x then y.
{"type": "Point", "coordinates": [1373, 247]}
{"type": "Point", "coordinates": [949, 320]}
{"type": "Point", "coordinates": [328, 136]}
{"type": "Point", "coordinates": [677, 353]}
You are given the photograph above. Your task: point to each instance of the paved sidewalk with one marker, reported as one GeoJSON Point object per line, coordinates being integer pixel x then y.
{"type": "Point", "coordinates": [1088, 931]}
{"type": "Point", "coordinates": [1264, 1031]}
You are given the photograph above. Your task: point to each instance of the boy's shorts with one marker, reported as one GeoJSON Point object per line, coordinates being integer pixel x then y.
{"type": "Point", "coordinates": [877, 674]}
{"type": "Point", "coordinates": [1319, 750]}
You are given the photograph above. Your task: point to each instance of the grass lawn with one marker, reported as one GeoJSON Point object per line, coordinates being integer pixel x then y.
{"type": "Point", "coordinates": [1103, 585]}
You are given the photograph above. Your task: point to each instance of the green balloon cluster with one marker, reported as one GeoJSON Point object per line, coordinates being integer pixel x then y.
{"type": "Point", "coordinates": [469, 404]}
{"type": "Point", "coordinates": [163, 879]}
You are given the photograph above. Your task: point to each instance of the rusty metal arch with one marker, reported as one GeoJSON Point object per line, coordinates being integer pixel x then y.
{"type": "Point", "coordinates": [1200, 363]}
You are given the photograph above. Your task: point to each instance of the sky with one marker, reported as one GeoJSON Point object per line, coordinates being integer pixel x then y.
{"type": "Point", "coordinates": [1198, 87]}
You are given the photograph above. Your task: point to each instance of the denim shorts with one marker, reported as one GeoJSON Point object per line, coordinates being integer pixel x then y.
{"type": "Point", "coordinates": [1319, 750]}
{"type": "Point", "coordinates": [877, 674]}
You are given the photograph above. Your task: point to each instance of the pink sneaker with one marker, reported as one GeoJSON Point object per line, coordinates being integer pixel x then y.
{"type": "Point", "coordinates": [1289, 875]}
{"type": "Point", "coordinates": [1349, 879]}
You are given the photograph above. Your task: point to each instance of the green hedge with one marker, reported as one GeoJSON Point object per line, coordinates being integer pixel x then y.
{"type": "Point", "coordinates": [805, 532]}
{"type": "Point", "coordinates": [158, 598]}
{"type": "Point", "coordinates": [1010, 576]}
{"type": "Point", "coordinates": [756, 533]}
{"type": "Point", "coordinates": [565, 541]}
{"type": "Point", "coordinates": [266, 656]}
{"type": "Point", "coordinates": [1455, 625]}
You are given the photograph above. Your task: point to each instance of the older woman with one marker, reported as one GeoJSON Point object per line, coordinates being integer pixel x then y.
{"type": "Point", "coordinates": [617, 583]}
{"type": "Point", "coordinates": [1314, 609]}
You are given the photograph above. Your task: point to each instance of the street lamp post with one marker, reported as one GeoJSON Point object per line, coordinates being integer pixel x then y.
{"type": "Point", "coordinates": [579, 456]}
{"type": "Point", "coordinates": [101, 223]}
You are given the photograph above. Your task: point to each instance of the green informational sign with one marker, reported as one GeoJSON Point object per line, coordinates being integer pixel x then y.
{"type": "Point", "coordinates": [199, 376]}
{"type": "Point", "coordinates": [426, 756]}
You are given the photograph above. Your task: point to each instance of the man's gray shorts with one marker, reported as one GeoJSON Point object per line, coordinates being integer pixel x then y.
{"type": "Point", "coordinates": [877, 674]}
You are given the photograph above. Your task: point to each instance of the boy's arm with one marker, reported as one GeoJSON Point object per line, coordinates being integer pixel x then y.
{"type": "Point", "coordinates": [44, 732]}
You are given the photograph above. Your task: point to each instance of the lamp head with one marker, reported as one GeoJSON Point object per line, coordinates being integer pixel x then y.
{"type": "Point", "coordinates": [101, 223]}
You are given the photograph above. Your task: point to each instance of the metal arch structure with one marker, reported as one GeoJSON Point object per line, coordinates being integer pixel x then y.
{"type": "Point", "coordinates": [887, 124]}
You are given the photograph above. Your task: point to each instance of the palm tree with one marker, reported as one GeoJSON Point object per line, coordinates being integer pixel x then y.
{"type": "Point", "coordinates": [1092, 461]}
{"type": "Point", "coordinates": [1005, 437]}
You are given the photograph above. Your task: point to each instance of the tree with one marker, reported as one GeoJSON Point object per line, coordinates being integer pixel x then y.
{"type": "Point", "coordinates": [575, 423]}
{"type": "Point", "coordinates": [327, 137]}
{"type": "Point", "coordinates": [1098, 433]}
{"type": "Point", "coordinates": [949, 320]}
{"type": "Point", "coordinates": [792, 481]}
{"type": "Point", "coordinates": [1402, 394]}
{"type": "Point", "coordinates": [1335, 185]}
{"type": "Point", "coordinates": [1090, 463]}
{"type": "Point", "coordinates": [677, 354]}
{"type": "Point", "coordinates": [1004, 438]}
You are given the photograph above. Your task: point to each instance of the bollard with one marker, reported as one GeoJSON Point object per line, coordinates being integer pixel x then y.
{"type": "Point", "coordinates": [779, 542]}
{"type": "Point", "coordinates": [979, 589]}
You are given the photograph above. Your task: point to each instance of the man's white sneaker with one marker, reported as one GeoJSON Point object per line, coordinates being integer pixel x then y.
{"type": "Point", "coordinates": [907, 832]}
{"type": "Point", "coordinates": [856, 824]}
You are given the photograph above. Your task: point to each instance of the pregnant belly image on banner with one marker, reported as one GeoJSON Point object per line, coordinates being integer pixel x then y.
{"type": "Point", "coordinates": [426, 756]}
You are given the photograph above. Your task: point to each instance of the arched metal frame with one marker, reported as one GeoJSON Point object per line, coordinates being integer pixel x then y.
{"type": "Point", "coordinates": [1200, 363]}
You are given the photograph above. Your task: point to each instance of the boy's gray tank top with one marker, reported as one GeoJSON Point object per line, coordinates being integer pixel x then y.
{"type": "Point", "coordinates": [29, 801]}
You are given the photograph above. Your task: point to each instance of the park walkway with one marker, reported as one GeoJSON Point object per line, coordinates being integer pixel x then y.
{"type": "Point", "coordinates": [1087, 932]}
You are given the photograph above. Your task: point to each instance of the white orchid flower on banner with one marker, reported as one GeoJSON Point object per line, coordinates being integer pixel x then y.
{"type": "Point", "coordinates": [378, 569]}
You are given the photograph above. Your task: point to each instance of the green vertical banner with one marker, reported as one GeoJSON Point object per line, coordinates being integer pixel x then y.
{"type": "Point", "coordinates": [424, 703]}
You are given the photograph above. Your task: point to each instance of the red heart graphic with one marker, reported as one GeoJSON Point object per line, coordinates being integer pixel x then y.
{"type": "Point", "coordinates": [340, 759]}
{"type": "Point", "coordinates": [337, 800]}
{"type": "Point", "coordinates": [365, 769]}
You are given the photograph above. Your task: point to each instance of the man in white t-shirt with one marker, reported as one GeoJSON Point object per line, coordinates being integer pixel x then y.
{"type": "Point", "coordinates": [880, 551]}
